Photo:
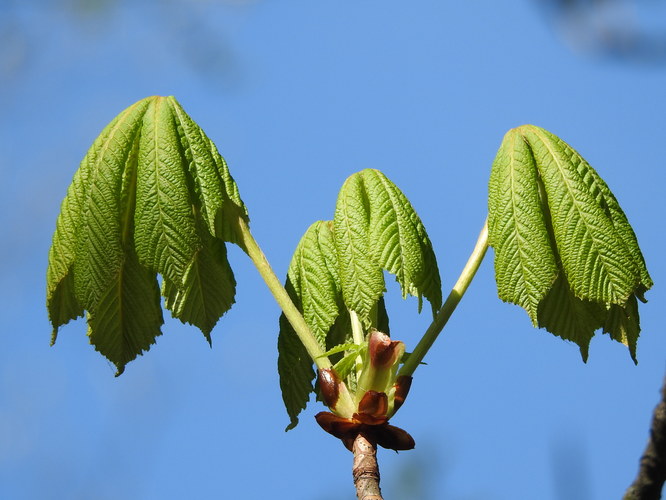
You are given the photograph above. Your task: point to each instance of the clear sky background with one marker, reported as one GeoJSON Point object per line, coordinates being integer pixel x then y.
{"type": "Point", "coordinates": [298, 95]}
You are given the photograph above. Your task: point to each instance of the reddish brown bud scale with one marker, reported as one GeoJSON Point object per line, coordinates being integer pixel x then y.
{"type": "Point", "coordinates": [402, 386]}
{"type": "Point", "coordinates": [337, 426]}
{"type": "Point", "coordinates": [382, 350]}
{"type": "Point", "coordinates": [329, 385]}
{"type": "Point", "coordinates": [382, 393]}
{"type": "Point", "coordinates": [346, 429]}
{"type": "Point", "coordinates": [364, 418]}
{"type": "Point", "coordinates": [394, 438]}
{"type": "Point", "coordinates": [374, 403]}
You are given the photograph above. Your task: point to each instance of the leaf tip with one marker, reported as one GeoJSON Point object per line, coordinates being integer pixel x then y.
{"type": "Point", "coordinates": [209, 339]}
{"type": "Point", "coordinates": [632, 352]}
{"type": "Point", "coordinates": [584, 351]}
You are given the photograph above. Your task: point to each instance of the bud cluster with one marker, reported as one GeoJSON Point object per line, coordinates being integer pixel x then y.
{"type": "Point", "coordinates": [379, 394]}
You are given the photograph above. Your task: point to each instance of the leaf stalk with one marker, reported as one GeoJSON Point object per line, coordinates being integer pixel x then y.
{"type": "Point", "coordinates": [443, 315]}
{"type": "Point", "coordinates": [293, 315]}
{"type": "Point", "coordinates": [359, 337]}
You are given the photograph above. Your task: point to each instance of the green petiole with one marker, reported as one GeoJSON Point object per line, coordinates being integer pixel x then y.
{"type": "Point", "coordinates": [450, 304]}
{"type": "Point", "coordinates": [294, 316]}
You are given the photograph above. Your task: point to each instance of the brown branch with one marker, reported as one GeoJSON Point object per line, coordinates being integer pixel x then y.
{"type": "Point", "coordinates": [366, 470]}
{"type": "Point", "coordinates": [652, 470]}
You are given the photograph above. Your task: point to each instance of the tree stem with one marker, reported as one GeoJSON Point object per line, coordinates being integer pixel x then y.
{"type": "Point", "coordinates": [294, 316]}
{"type": "Point", "coordinates": [366, 469]}
{"type": "Point", "coordinates": [450, 305]}
{"type": "Point", "coordinates": [652, 470]}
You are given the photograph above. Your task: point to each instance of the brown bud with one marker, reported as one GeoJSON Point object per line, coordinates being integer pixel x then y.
{"type": "Point", "coordinates": [383, 351]}
{"type": "Point", "coordinates": [337, 426]}
{"type": "Point", "coordinates": [366, 419]}
{"type": "Point", "coordinates": [345, 429]}
{"type": "Point", "coordinates": [393, 438]}
{"type": "Point", "coordinates": [373, 403]}
{"type": "Point", "coordinates": [329, 385]}
{"type": "Point", "coordinates": [402, 385]}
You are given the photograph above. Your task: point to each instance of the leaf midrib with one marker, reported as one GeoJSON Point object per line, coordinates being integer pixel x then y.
{"type": "Point", "coordinates": [520, 239]}
{"type": "Point", "coordinates": [397, 211]}
{"type": "Point", "coordinates": [576, 204]}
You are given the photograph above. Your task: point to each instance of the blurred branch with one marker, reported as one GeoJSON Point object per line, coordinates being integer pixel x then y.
{"type": "Point", "coordinates": [184, 25]}
{"type": "Point", "coordinates": [626, 30]}
{"type": "Point", "coordinates": [652, 470]}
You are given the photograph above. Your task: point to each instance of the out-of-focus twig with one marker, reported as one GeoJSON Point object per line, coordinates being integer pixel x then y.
{"type": "Point", "coordinates": [622, 30]}
{"type": "Point", "coordinates": [652, 470]}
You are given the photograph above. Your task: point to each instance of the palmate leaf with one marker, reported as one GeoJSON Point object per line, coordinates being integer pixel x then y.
{"type": "Point", "coordinates": [525, 266]}
{"type": "Point", "coordinates": [564, 249]}
{"type": "Point", "coordinates": [376, 228]}
{"type": "Point", "coordinates": [338, 267]}
{"type": "Point", "coordinates": [312, 284]}
{"type": "Point", "coordinates": [207, 290]}
{"type": "Point", "coordinates": [152, 196]}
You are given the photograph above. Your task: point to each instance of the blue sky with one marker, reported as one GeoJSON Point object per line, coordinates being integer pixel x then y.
{"type": "Point", "coordinates": [297, 96]}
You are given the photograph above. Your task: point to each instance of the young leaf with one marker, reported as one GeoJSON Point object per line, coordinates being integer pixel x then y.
{"type": "Point", "coordinates": [214, 188]}
{"type": "Point", "coordinates": [312, 285]}
{"type": "Point", "coordinates": [152, 196]}
{"type": "Point", "coordinates": [571, 318]}
{"type": "Point", "coordinates": [347, 363]}
{"type": "Point", "coordinates": [525, 266]}
{"type": "Point", "coordinates": [208, 287]}
{"type": "Point", "coordinates": [377, 228]}
{"type": "Point", "coordinates": [338, 267]}
{"type": "Point", "coordinates": [598, 264]}
{"type": "Point", "coordinates": [128, 316]}
{"type": "Point", "coordinates": [165, 230]}
{"type": "Point", "coordinates": [564, 249]}
{"type": "Point", "coordinates": [361, 279]}
{"type": "Point", "coordinates": [313, 273]}
{"type": "Point", "coordinates": [341, 348]}
{"type": "Point", "coordinates": [295, 370]}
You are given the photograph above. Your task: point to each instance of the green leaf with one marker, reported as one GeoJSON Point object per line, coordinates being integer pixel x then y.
{"type": "Point", "coordinates": [623, 325]}
{"type": "Point", "coordinates": [571, 318]}
{"type": "Point", "coordinates": [165, 236]}
{"type": "Point", "coordinates": [598, 264]}
{"type": "Point", "coordinates": [605, 199]}
{"type": "Point", "coordinates": [338, 267]}
{"type": "Point", "coordinates": [340, 348]}
{"type": "Point", "coordinates": [208, 288]}
{"type": "Point", "coordinates": [216, 190]}
{"type": "Point", "coordinates": [525, 264]}
{"type": "Point", "coordinates": [105, 214]}
{"type": "Point", "coordinates": [564, 249]}
{"type": "Point", "coordinates": [313, 273]}
{"type": "Point", "coordinates": [347, 363]}
{"type": "Point", "coordinates": [382, 323]}
{"type": "Point", "coordinates": [128, 316]}
{"type": "Point", "coordinates": [295, 370]}
{"type": "Point", "coordinates": [312, 285]}
{"type": "Point", "coordinates": [152, 196]}
{"type": "Point", "coordinates": [62, 303]}
{"type": "Point", "coordinates": [376, 228]}
{"type": "Point", "coordinates": [361, 279]}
